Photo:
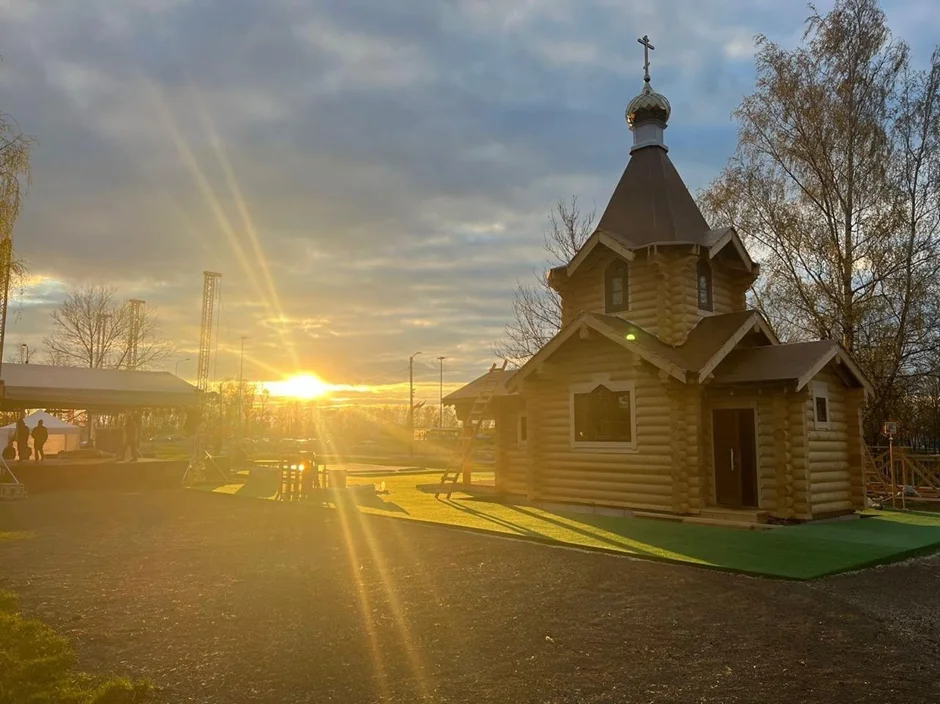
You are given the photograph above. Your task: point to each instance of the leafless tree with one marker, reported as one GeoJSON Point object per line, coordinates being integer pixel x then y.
{"type": "Point", "coordinates": [833, 185]}
{"type": "Point", "coordinates": [92, 328]}
{"type": "Point", "coordinates": [536, 307]}
{"type": "Point", "coordinates": [14, 173]}
{"type": "Point", "coordinates": [14, 178]}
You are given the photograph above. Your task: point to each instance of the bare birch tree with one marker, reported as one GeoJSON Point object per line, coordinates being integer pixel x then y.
{"type": "Point", "coordinates": [536, 307]}
{"type": "Point", "coordinates": [92, 328]}
{"type": "Point", "coordinates": [831, 185]}
{"type": "Point", "coordinates": [14, 178]}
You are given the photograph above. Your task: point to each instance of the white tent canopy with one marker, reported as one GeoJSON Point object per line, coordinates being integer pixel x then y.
{"type": "Point", "coordinates": [62, 436]}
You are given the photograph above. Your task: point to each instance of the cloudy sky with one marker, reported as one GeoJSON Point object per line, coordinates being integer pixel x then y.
{"type": "Point", "coordinates": [371, 177]}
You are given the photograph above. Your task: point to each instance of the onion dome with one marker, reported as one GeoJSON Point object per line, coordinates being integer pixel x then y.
{"type": "Point", "coordinates": [648, 105]}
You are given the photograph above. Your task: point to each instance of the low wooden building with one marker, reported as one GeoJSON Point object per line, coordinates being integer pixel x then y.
{"type": "Point", "coordinates": [663, 391]}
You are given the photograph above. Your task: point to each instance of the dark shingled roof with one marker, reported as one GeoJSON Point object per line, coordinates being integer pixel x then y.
{"type": "Point", "coordinates": [642, 338]}
{"type": "Point", "coordinates": [470, 391]}
{"type": "Point", "coordinates": [651, 204]}
{"type": "Point", "coordinates": [710, 335]}
{"type": "Point", "coordinates": [771, 363]}
{"type": "Point", "coordinates": [703, 342]}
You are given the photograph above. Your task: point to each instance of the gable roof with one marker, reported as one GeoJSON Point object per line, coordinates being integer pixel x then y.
{"type": "Point", "coordinates": [652, 205]}
{"type": "Point", "coordinates": [708, 355]}
{"type": "Point", "coordinates": [598, 238]}
{"type": "Point", "coordinates": [796, 361]}
{"type": "Point", "coordinates": [717, 240]}
{"type": "Point", "coordinates": [470, 391]}
{"type": "Point", "coordinates": [716, 335]}
{"type": "Point", "coordinates": [40, 385]}
{"type": "Point", "coordinates": [626, 334]}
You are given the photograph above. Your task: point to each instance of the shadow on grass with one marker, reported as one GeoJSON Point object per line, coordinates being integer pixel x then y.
{"type": "Point", "coordinates": [514, 527]}
{"type": "Point", "coordinates": [373, 501]}
{"type": "Point", "coordinates": [593, 535]}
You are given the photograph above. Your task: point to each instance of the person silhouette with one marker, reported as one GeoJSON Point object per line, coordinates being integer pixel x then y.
{"type": "Point", "coordinates": [22, 440]}
{"type": "Point", "coordinates": [40, 435]}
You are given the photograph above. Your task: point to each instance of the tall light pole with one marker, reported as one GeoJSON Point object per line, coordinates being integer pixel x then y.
{"type": "Point", "coordinates": [440, 423]}
{"type": "Point", "coordinates": [176, 368]}
{"type": "Point", "coordinates": [411, 403]}
{"type": "Point", "coordinates": [241, 388]}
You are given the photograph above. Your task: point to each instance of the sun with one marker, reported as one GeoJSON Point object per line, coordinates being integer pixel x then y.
{"type": "Point", "coordinates": [305, 386]}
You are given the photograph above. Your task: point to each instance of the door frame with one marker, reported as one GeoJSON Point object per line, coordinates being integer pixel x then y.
{"type": "Point", "coordinates": [731, 404]}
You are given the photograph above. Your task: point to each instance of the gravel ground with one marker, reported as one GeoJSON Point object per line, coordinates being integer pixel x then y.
{"type": "Point", "coordinates": [218, 599]}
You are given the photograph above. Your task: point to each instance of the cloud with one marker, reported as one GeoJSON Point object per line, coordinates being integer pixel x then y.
{"type": "Point", "coordinates": [371, 178]}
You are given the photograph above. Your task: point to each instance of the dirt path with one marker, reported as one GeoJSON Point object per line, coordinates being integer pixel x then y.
{"type": "Point", "coordinates": [218, 599]}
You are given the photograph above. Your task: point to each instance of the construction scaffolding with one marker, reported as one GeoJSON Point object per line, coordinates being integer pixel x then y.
{"type": "Point", "coordinates": [201, 464]}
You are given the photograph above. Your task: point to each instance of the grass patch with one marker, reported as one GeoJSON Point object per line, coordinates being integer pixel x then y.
{"type": "Point", "coordinates": [37, 666]}
{"type": "Point", "coordinates": [795, 552]}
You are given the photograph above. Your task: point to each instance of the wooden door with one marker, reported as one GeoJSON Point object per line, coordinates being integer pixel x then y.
{"type": "Point", "coordinates": [735, 457]}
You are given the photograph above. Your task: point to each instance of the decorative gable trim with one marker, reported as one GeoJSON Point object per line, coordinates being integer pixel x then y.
{"type": "Point", "coordinates": [599, 237]}
{"type": "Point", "coordinates": [755, 322]}
{"type": "Point", "coordinates": [724, 237]}
{"type": "Point", "coordinates": [582, 326]}
{"type": "Point", "coordinates": [841, 357]}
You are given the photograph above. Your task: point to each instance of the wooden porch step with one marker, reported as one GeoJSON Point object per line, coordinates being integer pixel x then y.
{"type": "Point", "coordinates": [745, 515]}
{"type": "Point", "coordinates": [743, 525]}
{"type": "Point", "coordinates": [656, 516]}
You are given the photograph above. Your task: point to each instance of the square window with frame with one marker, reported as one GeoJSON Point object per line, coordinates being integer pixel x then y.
{"type": "Point", "coordinates": [603, 416]}
{"type": "Point", "coordinates": [822, 413]}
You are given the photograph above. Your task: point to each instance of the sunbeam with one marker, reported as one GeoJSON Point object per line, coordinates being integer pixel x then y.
{"type": "Point", "coordinates": [205, 188]}
{"type": "Point", "coordinates": [260, 257]}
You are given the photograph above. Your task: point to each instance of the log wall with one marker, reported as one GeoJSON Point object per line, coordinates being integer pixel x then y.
{"type": "Point", "coordinates": [662, 290]}
{"type": "Point", "coordinates": [836, 472]}
{"type": "Point", "coordinates": [661, 474]}
{"type": "Point", "coordinates": [512, 459]}
{"type": "Point", "coordinates": [585, 292]}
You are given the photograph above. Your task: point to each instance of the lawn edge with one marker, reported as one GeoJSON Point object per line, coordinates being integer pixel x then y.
{"type": "Point", "coordinates": [554, 543]}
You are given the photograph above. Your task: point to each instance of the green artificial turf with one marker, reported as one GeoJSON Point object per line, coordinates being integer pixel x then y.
{"type": "Point", "coordinates": [793, 552]}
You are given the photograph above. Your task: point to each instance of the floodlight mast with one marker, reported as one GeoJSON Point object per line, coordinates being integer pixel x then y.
{"type": "Point", "coordinates": [211, 281]}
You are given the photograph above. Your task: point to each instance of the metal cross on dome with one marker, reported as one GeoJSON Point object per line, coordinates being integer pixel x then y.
{"type": "Point", "coordinates": [647, 47]}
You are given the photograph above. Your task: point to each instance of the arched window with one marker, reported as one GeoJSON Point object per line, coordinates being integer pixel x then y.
{"type": "Point", "coordinates": [704, 279]}
{"type": "Point", "coordinates": [615, 287]}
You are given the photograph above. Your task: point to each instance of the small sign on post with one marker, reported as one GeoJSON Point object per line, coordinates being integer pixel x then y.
{"type": "Point", "coordinates": [889, 429]}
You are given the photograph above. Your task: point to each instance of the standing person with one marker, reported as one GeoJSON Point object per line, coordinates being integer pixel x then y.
{"type": "Point", "coordinates": [131, 437]}
{"type": "Point", "coordinates": [40, 435]}
{"type": "Point", "coordinates": [22, 439]}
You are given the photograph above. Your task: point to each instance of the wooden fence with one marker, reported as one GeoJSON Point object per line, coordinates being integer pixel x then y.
{"type": "Point", "coordinates": [900, 475]}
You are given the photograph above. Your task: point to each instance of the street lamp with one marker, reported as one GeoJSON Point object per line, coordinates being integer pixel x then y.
{"type": "Point", "coordinates": [176, 369]}
{"type": "Point", "coordinates": [241, 387]}
{"type": "Point", "coordinates": [441, 421]}
{"type": "Point", "coordinates": [411, 403]}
